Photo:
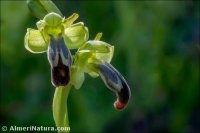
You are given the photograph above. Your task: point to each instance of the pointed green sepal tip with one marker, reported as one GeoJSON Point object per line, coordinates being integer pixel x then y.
{"type": "Point", "coordinates": [39, 8]}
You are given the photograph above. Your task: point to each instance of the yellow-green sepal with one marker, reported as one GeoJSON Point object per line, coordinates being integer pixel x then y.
{"type": "Point", "coordinates": [77, 77]}
{"type": "Point", "coordinates": [76, 35]}
{"type": "Point", "coordinates": [51, 24]}
{"type": "Point", "coordinates": [34, 41]}
{"type": "Point", "coordinates": [100, 50]}
{"type": "Point", "coordinates": [92, 53]}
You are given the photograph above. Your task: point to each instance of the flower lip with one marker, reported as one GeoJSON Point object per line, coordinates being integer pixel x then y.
{"type": "Point", "coordinates": [60, 60]}
{"type": "Point", "coordinates": [60, 74]}
{"type": "Point", "coordinates": [123, 97]}
{"type": "Point", "coordinates": [115, 82]}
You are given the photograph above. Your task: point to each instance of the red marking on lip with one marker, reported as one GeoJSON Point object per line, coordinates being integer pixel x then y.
{"type": "Point", "coordinates": [119, 105]}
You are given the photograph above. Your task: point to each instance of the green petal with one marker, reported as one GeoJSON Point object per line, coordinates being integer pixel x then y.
{"type": "Point", "coordinates": [34, 41]}
{"type": "Point", "coordinates": [93, 74]}
{"type": "Point", "coordinates": [77, 77]}
{"type": "Point", "coordinates": [98, 36]}
{"type": "Point", "coordinates": [101, 50]}
{"type": "Point", "coordinates": [70, 20]}
{"type": "Point", "coordinates": [76, 35]}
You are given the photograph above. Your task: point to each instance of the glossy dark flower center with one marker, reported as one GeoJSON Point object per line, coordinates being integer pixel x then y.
{"type": "Point", "coordinates": [59, 58]}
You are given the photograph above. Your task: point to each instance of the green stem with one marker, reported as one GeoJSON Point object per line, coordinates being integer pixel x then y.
{"type": "Point", "coordinates": [60, 113]}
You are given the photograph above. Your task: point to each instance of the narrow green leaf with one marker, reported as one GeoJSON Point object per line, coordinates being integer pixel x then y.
{"type": "Point", "coordinates": [40, 8]}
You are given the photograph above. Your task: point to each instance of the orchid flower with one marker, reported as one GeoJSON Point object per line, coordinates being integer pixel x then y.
{"type": "Point", "coordinates": [54, 36]}
{"type": "Point", "coordinates": [94, 58]}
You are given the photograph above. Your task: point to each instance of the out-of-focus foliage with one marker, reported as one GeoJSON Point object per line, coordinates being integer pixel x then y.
{"type": "Point", "coordinates": [156, 49]}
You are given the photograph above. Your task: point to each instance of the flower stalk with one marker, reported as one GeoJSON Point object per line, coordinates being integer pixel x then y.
{"type": "Point", "coordinates": [60, 112]}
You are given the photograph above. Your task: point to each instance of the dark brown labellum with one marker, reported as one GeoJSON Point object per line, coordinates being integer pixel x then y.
{"type": "Point", "coordinates": [115, 82]}
{"type": "Point", "coordinates": [60, 60]}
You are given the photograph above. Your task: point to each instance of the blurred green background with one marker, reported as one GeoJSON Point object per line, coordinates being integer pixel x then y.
{"type": "Point", "coordinates": [156, 50]}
